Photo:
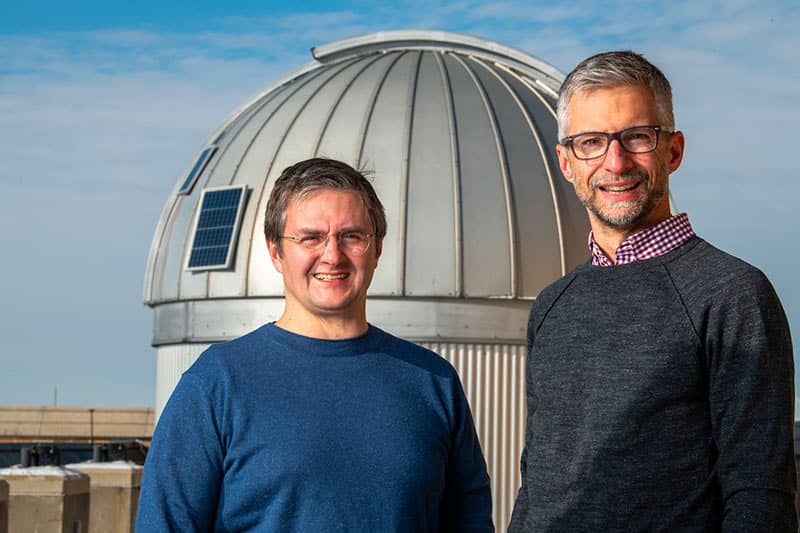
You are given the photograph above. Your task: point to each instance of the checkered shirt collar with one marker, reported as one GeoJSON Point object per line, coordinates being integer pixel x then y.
{"type": "Point", "coordinates": [646, 244]}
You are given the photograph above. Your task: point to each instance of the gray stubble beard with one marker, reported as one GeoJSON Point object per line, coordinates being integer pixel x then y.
{"type": "Point", "coordinates": [635, 210]}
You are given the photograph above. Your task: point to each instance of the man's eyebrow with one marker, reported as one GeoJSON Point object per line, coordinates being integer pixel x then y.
{"type": "Point", "coordinates": [360, 229]}
{"type": "Point", "coordinates": [308, 230]}
{"type": "Point", "coordinates": [345, 229]}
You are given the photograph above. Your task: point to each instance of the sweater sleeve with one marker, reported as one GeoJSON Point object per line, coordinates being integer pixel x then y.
{"type": "Point", "coordinates": [183, 470]}
{"type": "Point", "coordinates": [467, 502]}
{"type": "Point", "coordinates": [521, 505]}
{"type": "Point", "coordinates": [751, 392]}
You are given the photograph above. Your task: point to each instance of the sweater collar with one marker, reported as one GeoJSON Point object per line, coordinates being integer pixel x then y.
{"type": "Point", "coordinates": [354, 346]}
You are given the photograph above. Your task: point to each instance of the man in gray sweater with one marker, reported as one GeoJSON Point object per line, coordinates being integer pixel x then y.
{"type": "Point", "coordinates": [660, 373]}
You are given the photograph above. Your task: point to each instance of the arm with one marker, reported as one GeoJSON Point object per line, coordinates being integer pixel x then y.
{"type": "Point", "coordinates": [517, 524]}
{"type": "Point", "coordinates": [183, 471]}
{"type": "Point", "coordinates": [751, 392]}
{"type": "Point", "coordinates": [467, 503]}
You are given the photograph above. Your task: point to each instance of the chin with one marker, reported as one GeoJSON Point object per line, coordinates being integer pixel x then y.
{"type": "Point", "coordinates": [339, 307]}
{"type": "Point", "coordinates": [626, 215]}
{"type": "Point", "coordinates": [626, 221]}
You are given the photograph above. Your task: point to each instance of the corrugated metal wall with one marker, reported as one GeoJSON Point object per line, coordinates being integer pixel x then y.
{"type": "Point", "coordinates": [173, 360]}
{"type": "Point", "coordinates": [493, 376]}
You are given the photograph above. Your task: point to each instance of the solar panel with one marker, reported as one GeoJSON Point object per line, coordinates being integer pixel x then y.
{"type": "Point", "coordinates": [197, 169]}
{"type": "Point", "coordinates": [216, 228]}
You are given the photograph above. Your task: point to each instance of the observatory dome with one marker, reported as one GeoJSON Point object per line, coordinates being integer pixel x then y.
{"type": "Point", "coordinates": [459, 134]}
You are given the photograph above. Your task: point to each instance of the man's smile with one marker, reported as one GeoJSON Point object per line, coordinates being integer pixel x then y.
{"type": "Point", "coordinates": [619, 188]}
{"type": "Point", "coordinates": [618, 184]}
{"type": "Point", "coordinates": [328, 277]}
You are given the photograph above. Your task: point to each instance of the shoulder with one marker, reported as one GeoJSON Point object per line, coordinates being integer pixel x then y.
{"type": "Point", "coordinates": [722, 293]}
{"type": "Point", "coordinates": [710, 260]}
{"type": "Point", "coordinates": [219, 376]}
{"type": "Point", "coordinates": [233, 356]}
{"type": "Point", "coordinates": [550, 294]}
{"type": "Point", "coordinates": [706, 271]}
{"type": "Point", "coordinates": [417, 356]}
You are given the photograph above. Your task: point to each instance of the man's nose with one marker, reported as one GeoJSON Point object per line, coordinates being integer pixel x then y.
{"type": "Point", "coordinates": [331, 253]}
{"type": "Point", "coordinates": [617, 158]}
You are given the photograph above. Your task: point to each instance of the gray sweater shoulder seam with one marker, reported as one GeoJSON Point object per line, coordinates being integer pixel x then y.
{"type": "Point", "coordinates": [683, 303]}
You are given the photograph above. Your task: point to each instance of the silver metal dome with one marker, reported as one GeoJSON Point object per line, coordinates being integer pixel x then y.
{"type": "Point", "coordinates": [460, 135]}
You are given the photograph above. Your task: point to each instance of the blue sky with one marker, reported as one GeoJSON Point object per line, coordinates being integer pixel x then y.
{"type": "Point", "coordinates": [102, 107]}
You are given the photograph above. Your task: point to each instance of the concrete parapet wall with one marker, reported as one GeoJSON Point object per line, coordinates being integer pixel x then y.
{"type": "Point", "coordinates": [114, 495]}
{"type": "Point", "coordinates": [3, 506]}
{"type": "Point", "coordinates": [75, 423]}
{"type": "Point", "coordinates": [47, 499]}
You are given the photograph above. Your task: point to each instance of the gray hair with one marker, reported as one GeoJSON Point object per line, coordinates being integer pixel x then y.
{"type": "Point", "coordinates": [303, 179]}
{"type": "Point", "coordinates": [612, 69]}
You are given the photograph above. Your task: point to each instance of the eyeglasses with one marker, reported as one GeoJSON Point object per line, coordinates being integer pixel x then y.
{"type": "Point", "coordinates": [594, 144]}
{"type": "Point", "coordinates": [349, 242]}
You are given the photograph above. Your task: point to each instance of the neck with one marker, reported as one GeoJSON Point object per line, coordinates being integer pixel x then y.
{"type": "Point", "coordinates": [329, 328]}
{"type": "Point", "coordinates": [608, 238]}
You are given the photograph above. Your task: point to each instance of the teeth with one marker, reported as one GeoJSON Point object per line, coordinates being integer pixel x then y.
{"type": "Point", "coordinates": [330, 276]}
{"type": "Point", "coordinates": [619, 188]}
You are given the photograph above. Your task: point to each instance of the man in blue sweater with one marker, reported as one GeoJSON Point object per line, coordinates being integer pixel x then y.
{"type": "Point", "coordinates": [660, 373]}
{"type": "Point", "coordinates": [318, 421]}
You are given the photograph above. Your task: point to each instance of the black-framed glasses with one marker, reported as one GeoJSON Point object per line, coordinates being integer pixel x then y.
{"type": "Point", "coordinates": [350, 242]}
{"type": "Point", "coordinates": [634, 140]}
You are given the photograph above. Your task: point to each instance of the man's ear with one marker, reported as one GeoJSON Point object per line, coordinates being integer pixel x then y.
{"type": "Point", "coordinates": [275, 255]}
{"type": "Point", "coordinates": [677, 142]}
{"type": "Point", "coordinates": [563, 162]}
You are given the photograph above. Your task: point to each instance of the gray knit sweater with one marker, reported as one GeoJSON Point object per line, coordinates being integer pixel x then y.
{"type": "Point", "coordinates": [660, 398]}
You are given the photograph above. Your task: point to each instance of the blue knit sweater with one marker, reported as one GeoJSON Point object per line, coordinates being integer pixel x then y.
{"type": "Point", "coordinates": [279, 432]}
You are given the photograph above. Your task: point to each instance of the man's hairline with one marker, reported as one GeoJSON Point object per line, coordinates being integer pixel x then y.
{"type": "Point", "coordinates": [305, 194]}
{"type": "Point", "coordinates": [662, 120]}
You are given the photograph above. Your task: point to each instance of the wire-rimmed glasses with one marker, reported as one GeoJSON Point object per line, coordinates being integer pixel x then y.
{"type": "Point", "coordinates": [349, 242]}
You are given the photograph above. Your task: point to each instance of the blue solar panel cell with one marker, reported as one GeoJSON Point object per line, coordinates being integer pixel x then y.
{"type": "Point", "coordinates": [216, 228]}
{"type": "Point", "coordinates": [219, 236]}
{"type": "Point", "coordinates": [197, 169]}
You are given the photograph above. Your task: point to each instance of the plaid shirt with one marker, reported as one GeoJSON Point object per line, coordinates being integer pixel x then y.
{"type": "Point", "coordinates": [646, 244]}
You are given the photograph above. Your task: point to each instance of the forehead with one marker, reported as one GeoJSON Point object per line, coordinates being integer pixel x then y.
{"type": "Point", "coordinates": [325, 209]}
{"type": "Point", "coordinates": [611, 109]}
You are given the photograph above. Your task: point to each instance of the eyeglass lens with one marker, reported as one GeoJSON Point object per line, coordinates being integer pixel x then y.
{"type": "Point", "coordinates": [355, 243]}
{"type": "Point", "coordinates": [634, 140]}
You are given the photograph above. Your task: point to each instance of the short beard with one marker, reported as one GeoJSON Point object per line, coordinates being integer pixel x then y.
{"type": "Point", "coordinates": [633, 211]}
